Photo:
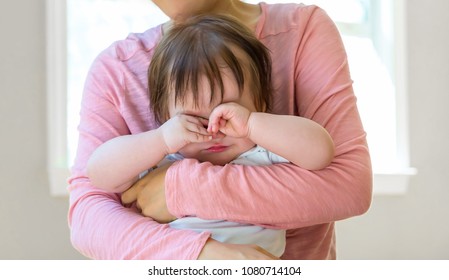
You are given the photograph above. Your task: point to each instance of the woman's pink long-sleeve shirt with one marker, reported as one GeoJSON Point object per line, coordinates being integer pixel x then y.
{"type": "Point", "coordinates": [311, 79]}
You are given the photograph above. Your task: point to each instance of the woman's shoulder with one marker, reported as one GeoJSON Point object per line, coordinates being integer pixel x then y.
{"type": "Point", "coordinates": [284, 17]}
{"type": "Point", "coordinates": [133, 44]}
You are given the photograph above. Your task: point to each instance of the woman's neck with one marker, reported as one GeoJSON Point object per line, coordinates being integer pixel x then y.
{"type": "Point", "coordinates": [247, 14]}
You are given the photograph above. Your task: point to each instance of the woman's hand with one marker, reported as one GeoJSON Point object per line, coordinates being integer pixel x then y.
{"type": "Point", "coordinates": [214, 250]}
{"type": "Point", "coordinates": [149, 194]}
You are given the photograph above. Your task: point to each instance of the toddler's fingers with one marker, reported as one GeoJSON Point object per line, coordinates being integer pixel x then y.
{"type": "Point", "coordinates": [222, 123]}
{"type": "Point", "coordinates": [214, 120]}
{"type": "Point", "coordinates": [203, 121]}
{"type": "Point", "coordinates": [215, 124]}
{"type": "Point", "coordinates": [198, 138]}
{"type": "Point", "coordinates": [196, 132]}
{"type": "Point", "coordinates": [212, 128]}
{"type": "Point", "coordinates": [198, 126]}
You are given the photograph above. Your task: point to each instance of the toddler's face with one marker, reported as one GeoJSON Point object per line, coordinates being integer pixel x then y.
{"type": "Point", "coordinates": [222, 148]}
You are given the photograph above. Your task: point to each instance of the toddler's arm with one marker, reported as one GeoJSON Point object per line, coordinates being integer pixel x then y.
{"type": "Point", "coordinates": [300, 140]}
{"type": "Point", "coordinates": [116, 164]}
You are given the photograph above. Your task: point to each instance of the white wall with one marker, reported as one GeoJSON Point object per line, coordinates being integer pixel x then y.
{"type": "Point", "coordinates": [33, 225]}
{"type": "Point", "coordinates": [415, 226]}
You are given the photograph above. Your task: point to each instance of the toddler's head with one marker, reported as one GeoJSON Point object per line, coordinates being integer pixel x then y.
{"type": "Point", "coordinates": [201, 63]}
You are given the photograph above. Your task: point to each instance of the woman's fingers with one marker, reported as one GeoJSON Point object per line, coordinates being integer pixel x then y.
{"type": "Point", "coordinates": [130, 195]}
{"type": "Point", "coordinates": [214, 250]}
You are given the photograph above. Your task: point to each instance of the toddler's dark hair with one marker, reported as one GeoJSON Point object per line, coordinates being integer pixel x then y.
{"type": "Point", "coordinates": [198, 48]}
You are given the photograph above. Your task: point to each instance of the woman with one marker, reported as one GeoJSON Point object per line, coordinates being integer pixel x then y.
{"type": "Point", "coordinates": [311, 79]}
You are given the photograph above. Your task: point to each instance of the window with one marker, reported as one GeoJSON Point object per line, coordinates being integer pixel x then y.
{"type": "Point", "coordinates": [372, 31]}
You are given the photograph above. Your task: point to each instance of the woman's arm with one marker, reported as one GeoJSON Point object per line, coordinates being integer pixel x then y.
{"type": "Point", "coordinates": [101, 228]}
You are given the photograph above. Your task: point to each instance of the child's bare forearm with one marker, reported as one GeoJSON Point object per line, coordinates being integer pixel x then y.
{"type": "Point", "coordinates": [299, 140]}
{"type": "Point", "coordinates": [116, 164]}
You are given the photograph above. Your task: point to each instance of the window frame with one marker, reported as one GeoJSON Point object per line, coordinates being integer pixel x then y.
{"type": "Point", "coordinates": [56, 62]}
{"type": "Point", "coordinates": [390, 182]}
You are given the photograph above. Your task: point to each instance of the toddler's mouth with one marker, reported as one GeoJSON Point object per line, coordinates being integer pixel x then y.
{"type": "Point", "coordinates": [217, 148]}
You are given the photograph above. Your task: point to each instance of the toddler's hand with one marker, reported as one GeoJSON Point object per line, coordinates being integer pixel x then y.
{"type": "Point", "coordinates": [181, 130]}
{"type": "Point", "coordinates": [231, 119]}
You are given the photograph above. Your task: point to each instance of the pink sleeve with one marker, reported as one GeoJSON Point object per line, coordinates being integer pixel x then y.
{"type": "Point", "coordinates": [283, 195]}
{"type": "Point", "coordinates": [101, 228]}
